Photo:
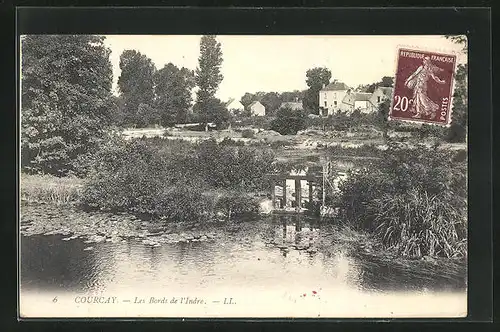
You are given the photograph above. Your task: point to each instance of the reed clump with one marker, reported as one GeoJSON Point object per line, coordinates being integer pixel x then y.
{"type": "Point", "coordinates": [50, 189]}
{"type": "Point", "coordinates": [414, 201]}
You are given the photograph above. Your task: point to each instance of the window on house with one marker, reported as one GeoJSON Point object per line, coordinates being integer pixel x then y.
{"type": "Point", "coordinates": [378, 99]}
{"type": "Point", "coordinates": [326, 104]}
{"type": "Point", "coordinates": [335, 103]}
{"type": "Point", "coordinates": [335, 95]}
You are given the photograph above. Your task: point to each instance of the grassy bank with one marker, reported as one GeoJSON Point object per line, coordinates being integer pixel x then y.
{"type": "Point", "coordinates": [414, 201]}
{"type": "Point", "coordinates": [50, 189]}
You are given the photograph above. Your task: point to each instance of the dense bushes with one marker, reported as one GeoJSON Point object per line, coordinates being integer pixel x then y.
{"type": "Point", "coordinates": [171, 179]}
{"type": "Point", "coordinates": [289, 121]}
{"type": "Point", "coordinates": [263, 122]}
{"type": "Point", "coordinates": [247, 133]}
{"type": "Point", "coordinates": [414, 200]}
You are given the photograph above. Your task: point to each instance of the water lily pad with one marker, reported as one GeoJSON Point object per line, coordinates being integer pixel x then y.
{"type": "Point", "coordinates": [88, 248]}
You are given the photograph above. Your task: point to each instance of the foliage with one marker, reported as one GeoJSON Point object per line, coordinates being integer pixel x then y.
{"type": "Point", "coordinates": [263, 122]}
{"type": "Point", "coordinates": [271, 100]}
{"type": "Point", "coordinates": [66, 100]}
{"type": "Point", "coordinates": [226, 167]}
{"type": "Point", "coordinates": [208, 75]}
{"type": "Point", "coordinates": [316, 78]}
{"type": "Point", "coordinates": [457, 132]}
{"type": "Point", "coordinates": [173, 93]}
{"type": "Point", "coordinates": [214, 111]}
{"type": "Point", "coordinates": [136, 86]}
{"type": "Point", "coordinates": [289, 121]}
{"type": "Point", "coordinates": [386, 81]}
{"type": "Point", "coordinates": [414, 200]}
{"type": "Point", "coordinates": [247, 133]}
{"type": "Point", "coordinates": [168, 178]}
{"type": "Point", "coordinates": [233, 204]}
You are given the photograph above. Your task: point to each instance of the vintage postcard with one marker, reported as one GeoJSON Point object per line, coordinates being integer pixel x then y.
{"type": "Point", "coordinates": [214, 176]}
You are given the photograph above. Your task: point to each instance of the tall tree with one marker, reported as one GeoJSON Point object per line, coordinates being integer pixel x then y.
{"type": "Point", "coordinates": [173, 93]}
{"type": "Point", "coordinates": [136, 85]}
{"type": "Point", "coordinates": [316, 78]}
{"type": "Point", "coordinates": [208, 77]}
{"type": "Point", "coordinates": [65, 100]}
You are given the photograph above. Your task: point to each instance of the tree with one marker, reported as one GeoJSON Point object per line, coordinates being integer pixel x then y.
{"type": "Point", "coordinates": [173, 93]}
{"type": "Point", "coordinates": [136, 84]}
{"type": "Point", "coordinates": [65, 100]}
{"type": "Point", "coordinates": [247, 99]}
{"type": "Point", "coordinates": [316, 78]}
{"type": "Point", "coordinates": [288, 121]}
{"type": "Point", "coordinates": [386, 81]}
{"type": "Point", "coordinates": [292, 96]}
{"type": "Point", "coordinates": [457, 132]}
{"type": "Point", "coordinates": [215, 111]}
{"type": "Point", "coordinates": [271, 102]}
{"type": "Point", "coordinates": [383, 116]}
{"type": "Point", "coordinates": [208, 76]}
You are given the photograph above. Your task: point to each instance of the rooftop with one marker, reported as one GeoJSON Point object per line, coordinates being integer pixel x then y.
{"type": "Point", "coordinates": [362, 96]}
{"type": "Point", "coordinates": [335, 86]}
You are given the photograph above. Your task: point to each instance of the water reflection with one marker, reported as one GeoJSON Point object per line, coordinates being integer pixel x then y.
{"type": "Point", "coordinates": [258, 255]}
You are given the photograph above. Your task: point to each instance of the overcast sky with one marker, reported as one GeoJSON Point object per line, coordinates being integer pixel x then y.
{"type": "Point", "coordinates": [279, 63]}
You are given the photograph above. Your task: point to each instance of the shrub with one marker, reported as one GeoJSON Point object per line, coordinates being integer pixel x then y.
{"type": "Point", "coordinates": [233, 204]}
{"type": "Point", "coordinates": [167, 178]}
{"type": "Point", "coordinates": [248, 133]}
{"type": "Point", "coordinates": [231, 142]}
{"type": "Point", "coordinates": [289, 121]}
{"type": "Point", "coordinates": [421, 191]}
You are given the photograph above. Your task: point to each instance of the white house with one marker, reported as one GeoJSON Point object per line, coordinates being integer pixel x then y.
{"type": "Point", "coordinates": [337, 96]}
{"type": "Point", "coordinates": [257, 109]}
{"type": "Point", "coordinates": [331, 98]}
{"type": "Point", "coordinates": [234, 106]}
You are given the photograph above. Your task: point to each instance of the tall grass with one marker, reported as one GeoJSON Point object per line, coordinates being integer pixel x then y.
{"type": "Point", "coordinates": [414, 201]}
{"type": "Point", "coordinates": [50, 189]}
{"type": "Point", "coordinates": [419, 224]}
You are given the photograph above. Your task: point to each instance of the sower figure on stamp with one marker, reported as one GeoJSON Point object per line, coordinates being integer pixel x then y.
{"type": "Point", "coordinates": [418, 82]}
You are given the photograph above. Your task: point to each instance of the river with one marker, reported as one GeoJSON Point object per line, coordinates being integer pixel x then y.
{"type": "Point", "coordinates": [259, 268]}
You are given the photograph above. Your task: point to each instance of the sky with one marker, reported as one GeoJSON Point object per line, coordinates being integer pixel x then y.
{"type": "Point", "coordinates": [279, 63]}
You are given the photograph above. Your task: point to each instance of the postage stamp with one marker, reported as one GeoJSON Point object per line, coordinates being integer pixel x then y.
{"type": "Point", "coordinates": [423, 87]}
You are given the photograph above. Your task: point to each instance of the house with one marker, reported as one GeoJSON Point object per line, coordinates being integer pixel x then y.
{"type": "Point", "coordinates": [234, 106]}
{"type": "Point", "coordinates": [362, 101]}
{"type": "Point", "coordinates": [257, 109]}
{"type": "Point", "coordinates": [294, 105]}
{"type": "Point", "coordinates": [380, 94]}
{"type": "Point", "coordinates": [331, 98]}
{"type": "Point", "coordinates": [337, 96]}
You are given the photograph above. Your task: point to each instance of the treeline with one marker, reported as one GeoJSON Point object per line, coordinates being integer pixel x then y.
{"type": "Point", "coordinates": [67, 105]}
{"type": "Point", "coordinates": [149, 96]}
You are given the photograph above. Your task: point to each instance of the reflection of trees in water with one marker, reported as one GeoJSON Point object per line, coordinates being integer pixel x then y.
{"type": "Point", "coordinates": [49, 263]}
